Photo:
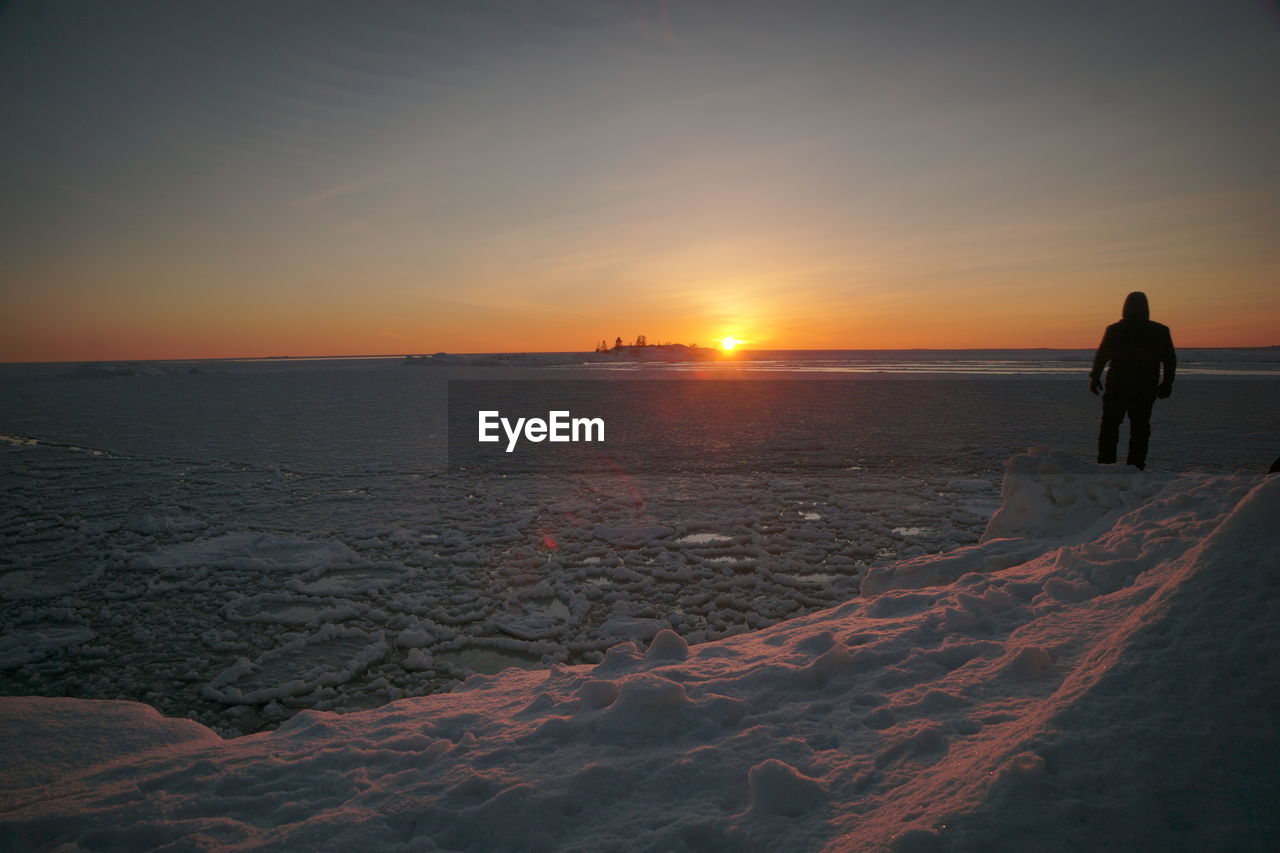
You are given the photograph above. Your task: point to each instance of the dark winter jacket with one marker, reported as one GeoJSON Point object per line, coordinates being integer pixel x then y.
{"type": "Point", "coordinates": [1136, 347]}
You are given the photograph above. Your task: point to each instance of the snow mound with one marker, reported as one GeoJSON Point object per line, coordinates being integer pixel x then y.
{"type": "Point", "coordinates": [936, 569]}
{"type": "Point", "coordinates": [1100, 673]}
{"type": "Point", "coordinates": [1048, 497]}
{"type": "Point", "coordinates": [74, 735]}
{"type": "Point", "coordinates": [1048, 493]}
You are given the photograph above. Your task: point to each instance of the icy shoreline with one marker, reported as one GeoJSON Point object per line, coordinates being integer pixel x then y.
{"type": "Point", "coordinates": [1099, 672]}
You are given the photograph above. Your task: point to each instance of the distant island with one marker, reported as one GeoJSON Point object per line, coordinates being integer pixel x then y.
{"type": "Point", "coordinates": [638, 351]}
{"type": "Point", "coordinates": [642, 350]}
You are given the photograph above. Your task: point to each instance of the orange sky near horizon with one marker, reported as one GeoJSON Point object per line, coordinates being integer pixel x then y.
{"type": "Point", "coordinates": [973, 319]}
{"type": "Point", "coordinates": [188, 182]}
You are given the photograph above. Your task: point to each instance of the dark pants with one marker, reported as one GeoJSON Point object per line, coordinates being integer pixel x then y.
{"type": "Point", "coordinates": [1116, 405]}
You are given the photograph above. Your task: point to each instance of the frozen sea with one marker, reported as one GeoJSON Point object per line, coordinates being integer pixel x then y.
{"type": "Point", "coordinates": [235, 541]}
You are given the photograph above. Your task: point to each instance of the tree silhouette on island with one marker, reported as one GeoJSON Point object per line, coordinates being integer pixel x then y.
{"type": "Point", "coordinates": [641, 349]}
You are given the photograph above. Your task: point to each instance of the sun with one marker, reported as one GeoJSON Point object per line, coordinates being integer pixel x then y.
{"type": "Point", "coordinates": [728, 344]}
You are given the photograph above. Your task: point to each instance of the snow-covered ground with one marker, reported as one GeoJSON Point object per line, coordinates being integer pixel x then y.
{"type": "Point", "coordinates": [252, 539]}
{"type": "Point", "coordinates": [1099, 672]}
{"type": "Point", "coordinates": [244, 544]}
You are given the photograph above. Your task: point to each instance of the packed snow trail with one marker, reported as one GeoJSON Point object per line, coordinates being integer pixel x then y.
{"type": "Point", "coordinates": [1100, 672]}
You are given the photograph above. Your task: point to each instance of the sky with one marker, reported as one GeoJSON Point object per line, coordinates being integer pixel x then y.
{"type": "Point", "coordinates": [254, 177]}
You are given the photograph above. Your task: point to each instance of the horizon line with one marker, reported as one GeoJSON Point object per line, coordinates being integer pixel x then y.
{"type": "Point", "coordinates": [402, 354]}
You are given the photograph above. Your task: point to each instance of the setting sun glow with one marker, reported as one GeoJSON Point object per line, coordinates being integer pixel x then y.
{"type": "Point", "coordinates": [728, 344]}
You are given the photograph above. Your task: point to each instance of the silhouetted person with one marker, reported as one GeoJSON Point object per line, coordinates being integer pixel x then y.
{"type": "Point", "coordinates": [1136, 347]}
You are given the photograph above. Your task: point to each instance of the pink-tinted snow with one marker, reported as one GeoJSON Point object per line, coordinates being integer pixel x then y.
{"type": "Point", "coordinates": [1099, 673]}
